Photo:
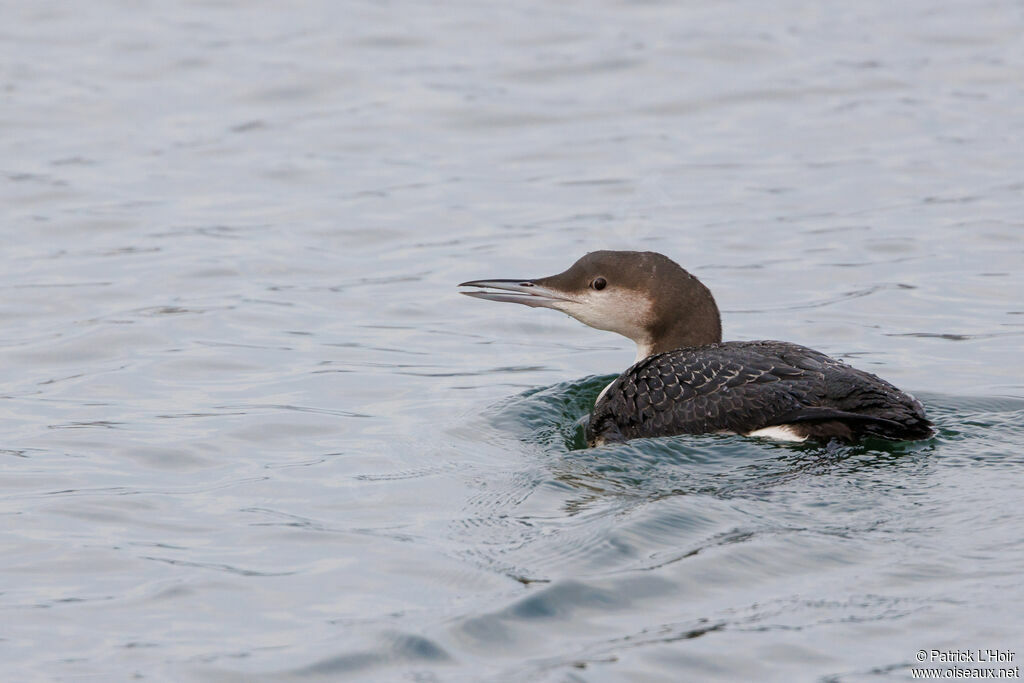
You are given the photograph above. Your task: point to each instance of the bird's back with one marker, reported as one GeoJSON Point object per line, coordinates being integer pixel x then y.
{"type": "Point", "coordinates": [743, 387]}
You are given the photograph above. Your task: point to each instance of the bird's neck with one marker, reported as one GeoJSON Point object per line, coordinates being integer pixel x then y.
{"type": "Point", "coordinates": [694, 321]}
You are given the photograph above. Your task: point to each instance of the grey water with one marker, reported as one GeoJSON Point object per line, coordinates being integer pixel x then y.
{"type": "Point", "coordinates": [250, 431]}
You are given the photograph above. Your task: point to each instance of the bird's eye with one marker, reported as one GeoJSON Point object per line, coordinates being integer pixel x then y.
{"type": "Point", "coordinates": [599, 283]}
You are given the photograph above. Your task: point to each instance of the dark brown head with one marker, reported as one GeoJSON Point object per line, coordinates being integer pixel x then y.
{"type": "Point", "coordinates": [642, 295]}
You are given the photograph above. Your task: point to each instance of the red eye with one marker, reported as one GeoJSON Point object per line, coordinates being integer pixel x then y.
{"type": "Point", "coordinates": [598, 283]}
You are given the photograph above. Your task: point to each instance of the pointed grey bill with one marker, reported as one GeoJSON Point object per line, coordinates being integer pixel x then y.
{"type": "Point", "coordinates": [518, 292]}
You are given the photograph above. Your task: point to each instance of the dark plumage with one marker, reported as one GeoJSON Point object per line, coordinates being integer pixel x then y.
{"type": "Point", "coordinates": [687, 381]}
{"type": "Point", "coordinates": [744, 386]}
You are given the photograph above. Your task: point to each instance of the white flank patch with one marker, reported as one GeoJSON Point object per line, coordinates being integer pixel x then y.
{"type": "Point", "coordinates": [603, 392]}
{"type": "Point", "coordinates": [779, 433]}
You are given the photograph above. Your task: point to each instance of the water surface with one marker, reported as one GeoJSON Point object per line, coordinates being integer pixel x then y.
{"type": "Point", "coordinates": [250, 430]}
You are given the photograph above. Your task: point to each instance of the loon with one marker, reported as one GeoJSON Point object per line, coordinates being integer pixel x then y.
{"type": "Point", "coordinates": [686, 380]}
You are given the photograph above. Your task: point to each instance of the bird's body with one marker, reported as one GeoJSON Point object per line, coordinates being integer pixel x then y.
{"type": "Point", "coordinates": [781, 390]}
{"type": "Point", "coordinates": [687, 381]}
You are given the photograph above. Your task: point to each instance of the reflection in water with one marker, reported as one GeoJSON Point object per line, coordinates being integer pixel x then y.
{"type": "Point", "coordinates": [716, 510]}
{"type": "Point", "coordinates": [250, 432]}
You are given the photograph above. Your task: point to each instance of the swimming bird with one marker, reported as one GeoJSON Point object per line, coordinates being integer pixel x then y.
{"type": "Point", "coordinates": [686, 380]}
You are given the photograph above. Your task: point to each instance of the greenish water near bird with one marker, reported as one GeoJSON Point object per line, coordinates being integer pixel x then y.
{"type": "Point", "coordinates": [250, 431]}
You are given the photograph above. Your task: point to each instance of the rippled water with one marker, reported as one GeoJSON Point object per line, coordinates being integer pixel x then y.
{"type": "Point", "coordinates": [250, 431]}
